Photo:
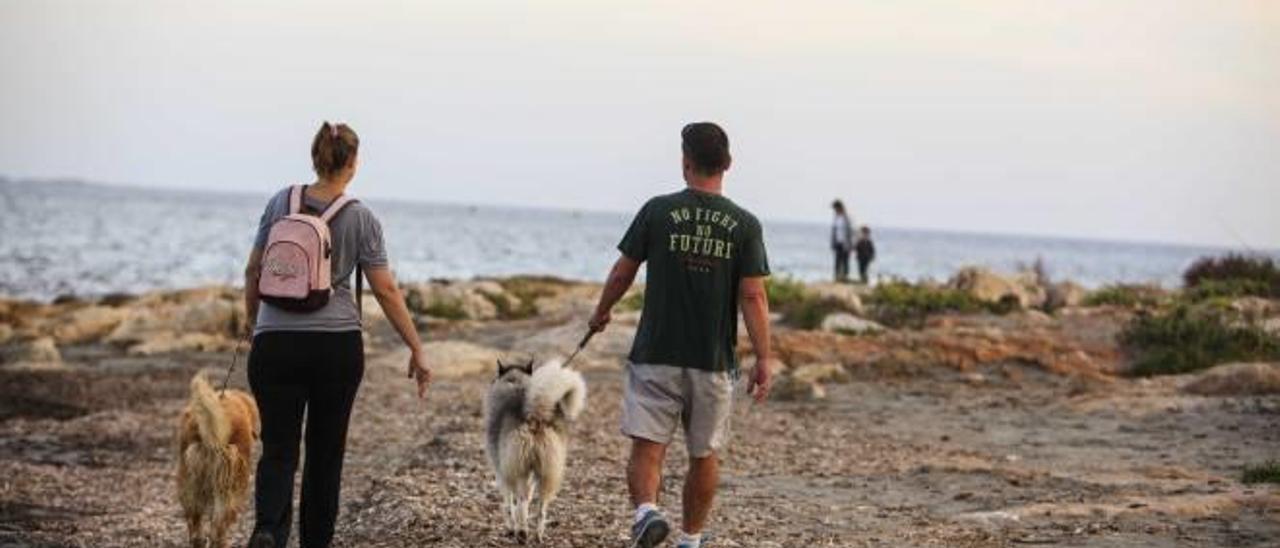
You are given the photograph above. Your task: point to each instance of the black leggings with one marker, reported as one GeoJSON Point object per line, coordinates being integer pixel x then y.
{"type": "Point", "coordinates": [292, 373]}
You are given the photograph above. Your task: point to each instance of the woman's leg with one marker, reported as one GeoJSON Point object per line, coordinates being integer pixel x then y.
{"type": "Point", "coordinates": [336, 378]}
{"type": "Point", "coordinates": [281, 400]}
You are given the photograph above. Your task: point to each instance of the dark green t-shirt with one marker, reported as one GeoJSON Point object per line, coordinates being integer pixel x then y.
{"type": "Point", "coordinates": [698, 247]}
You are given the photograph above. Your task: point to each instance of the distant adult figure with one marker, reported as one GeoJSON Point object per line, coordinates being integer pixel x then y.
{"type": "Point", "coordinates": [841, 240]}
{"type": "Point", "coordinates": [706, 259]}
{"type": "Point", "coordinates": [310, 363]}
{"type": "Point", "coordinates": [865, 250]}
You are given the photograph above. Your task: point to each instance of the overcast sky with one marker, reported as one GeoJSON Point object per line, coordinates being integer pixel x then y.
{"type": "Point", "coordinates": [1151, 120]}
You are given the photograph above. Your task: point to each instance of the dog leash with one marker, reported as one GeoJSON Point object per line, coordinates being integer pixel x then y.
{"type": "Point", "coordinates": [235, 356]}
{"type": "Point", "coordinates": [582, 344]}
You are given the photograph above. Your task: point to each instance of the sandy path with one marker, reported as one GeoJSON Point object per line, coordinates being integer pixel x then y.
{"type": "Point", "coordinates": [945, 460]}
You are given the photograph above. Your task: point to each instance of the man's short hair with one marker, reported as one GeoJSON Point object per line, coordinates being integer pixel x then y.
{"type": "Point", "coordinates": [706, 146]}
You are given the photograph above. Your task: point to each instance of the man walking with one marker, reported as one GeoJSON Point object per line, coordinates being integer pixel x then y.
{"type": "Point", "coordinates": [706, 258]}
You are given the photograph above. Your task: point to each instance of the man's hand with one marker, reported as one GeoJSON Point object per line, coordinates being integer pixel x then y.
{"type": "Point", "coordinates": [761, 381]}
{"type": "Point", "coordinates": [420, 372]}
{"type": "Point", "coordinates": [599, 320]}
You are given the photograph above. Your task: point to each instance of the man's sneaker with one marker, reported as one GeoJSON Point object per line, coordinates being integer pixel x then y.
{"type": "Point", "coordinates": [650, 531]}
{"type": "Point", "coordinates": [702, 544]}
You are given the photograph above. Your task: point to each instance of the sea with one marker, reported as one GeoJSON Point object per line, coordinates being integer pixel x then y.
{"type": "Point", "coordinates": [80, 239]}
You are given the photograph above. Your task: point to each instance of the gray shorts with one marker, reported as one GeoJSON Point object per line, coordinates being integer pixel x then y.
{"type": "Point", "coordinates": [658, 397]}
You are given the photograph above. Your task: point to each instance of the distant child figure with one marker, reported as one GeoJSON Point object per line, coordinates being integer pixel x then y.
{"type": "Point", "coordinates": [866, 252]}
{"type": "Point", "coordinates": [841, 240]}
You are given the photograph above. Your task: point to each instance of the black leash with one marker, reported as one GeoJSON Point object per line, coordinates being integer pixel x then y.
{"type": "Point", "coordinates": [581, 345]}
{"type": "Point", "coordinates": [235, 356]}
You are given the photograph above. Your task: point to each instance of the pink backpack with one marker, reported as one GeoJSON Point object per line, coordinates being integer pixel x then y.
{"type": "Point", "coordinates": [296, 270]}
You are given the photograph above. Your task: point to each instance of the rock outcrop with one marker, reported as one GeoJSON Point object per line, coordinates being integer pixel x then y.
{"type": "Point", "coordinates": [988, 286]}
{"type": "Point", "coordinates": [843, 322]}
{"type": "Point", "coordinates": [39, 353]}
{"type": "Point", "coordinates": [1237, 379]}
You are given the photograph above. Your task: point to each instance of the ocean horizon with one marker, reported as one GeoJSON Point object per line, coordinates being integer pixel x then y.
{"type": "Point", "coordinates": [88, 239]}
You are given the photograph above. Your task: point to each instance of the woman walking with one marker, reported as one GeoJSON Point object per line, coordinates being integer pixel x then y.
{"type": "Point", "coordinates": [308, 353]}
{"type": "Point", "coordinates": [841, 240]}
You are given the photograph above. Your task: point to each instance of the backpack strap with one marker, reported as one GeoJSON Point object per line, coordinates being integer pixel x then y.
{"type": "Point", "coordinates": [295, 198]}
{"type": "Point", "coordinates": [326, 217]}
{"type": "Point", "coordinates": [336, 206]}
{"type": "Point", "coordinates": [360, 294]}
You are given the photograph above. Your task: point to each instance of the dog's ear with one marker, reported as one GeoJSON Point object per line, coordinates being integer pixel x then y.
{"type": "Point", "coordinates": [528, 367]}
{"type": "Point", "coordinates": [502, 369]}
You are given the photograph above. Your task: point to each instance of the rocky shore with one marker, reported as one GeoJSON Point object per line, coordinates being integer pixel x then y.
{"type": "Point", "coordinates": [988, 410]}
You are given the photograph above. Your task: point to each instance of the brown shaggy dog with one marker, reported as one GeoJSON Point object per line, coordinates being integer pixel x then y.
{"type": "Point", "coordinates": [215, 447]}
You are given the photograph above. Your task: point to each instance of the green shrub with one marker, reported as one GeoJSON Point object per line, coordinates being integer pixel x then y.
{"type": "Point", "coordinates": [1267, 472]}
{"type": "Point", "coordinates": [899, 303]}
{"type": "Point", "coordinates": [1190, 338]}
{"type": "Point", "coordinates": [1126, 295]}
{"type": "Point", "coordinates": [799, 307]}
{"type": "Point", "coordinates": [446, 310]}
{"type": "Point", "coordinates": [809, 312]}
{"type": "Point", "coordinates": [632, 302]}
{"type": "Point", "coordinates": [526, 290]}
{"type": "Point", "coordinates": [785, 291]}
{"type": "Point", "coordinates": [1260, 270]}
{"type": "Point", "coordinates": [1226, 289]}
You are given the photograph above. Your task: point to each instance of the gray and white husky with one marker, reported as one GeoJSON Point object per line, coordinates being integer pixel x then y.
{"type": "Point", "coordinates": [527, 416]}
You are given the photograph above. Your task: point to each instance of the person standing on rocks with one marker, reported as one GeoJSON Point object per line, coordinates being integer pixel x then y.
{"type": "Point", "coordinates": [705, 259]}
{"type": "Point", "coordinates": [865, 250]}
{"type": "Point", "coordinates": [841, 240]}
{"type": "Point", "coordinates": [310, 363]}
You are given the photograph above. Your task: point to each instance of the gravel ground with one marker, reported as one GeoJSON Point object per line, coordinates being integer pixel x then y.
{"type": "Point", "coordinates": [941, 459]}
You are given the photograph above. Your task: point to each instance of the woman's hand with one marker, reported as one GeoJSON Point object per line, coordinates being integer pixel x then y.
{"type": "Point", "coordinates": [420, 372]}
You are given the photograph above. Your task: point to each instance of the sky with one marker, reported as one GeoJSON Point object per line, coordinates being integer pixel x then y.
{"type": "Point", "coordinates": [1149, 120]}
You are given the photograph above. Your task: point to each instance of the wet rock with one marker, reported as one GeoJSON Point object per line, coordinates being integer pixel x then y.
{"type": "Point", "coordinates": [1237, 379]}
{"type": "Point", "coordinates": [843, 322]}
{"type": "Point", "coordinates": [87, 324]}
{"type": "Point", "coordinates": [32, 353]}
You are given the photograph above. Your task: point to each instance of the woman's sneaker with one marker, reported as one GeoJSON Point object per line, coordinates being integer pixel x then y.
{"type": "Point", "coordinates": [650, 531]}
{"type": "Point", "coordinates": [262, 540]}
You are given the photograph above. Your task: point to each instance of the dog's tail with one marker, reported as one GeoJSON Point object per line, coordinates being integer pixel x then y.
{"type": "Point", "coordinates": [554, 389]}
{"type": "Point", "coordinates": [211, 420]}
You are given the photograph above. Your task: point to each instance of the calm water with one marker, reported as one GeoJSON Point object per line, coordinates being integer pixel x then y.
{"type": "Point", "coordinates": [58, 239]}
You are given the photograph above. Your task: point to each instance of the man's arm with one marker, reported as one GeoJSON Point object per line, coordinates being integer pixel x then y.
{"type": "Point", "coordinates": [754, 301]}
{"type": "Point", "coordinates": [621, 276]}
{"type": "Point", "coordinates": [251, 273]}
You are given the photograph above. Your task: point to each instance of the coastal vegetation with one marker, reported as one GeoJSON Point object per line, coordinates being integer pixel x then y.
{"type": "Point", "coordinates": [1127, 296]}
{"type": "Point", "coordinates": [798, 306]}
{"type": "Point", "coordinates": [1267, 472]}
{"type": "Point", "coordinates": [1244, 274]}
{"type": "Point", "coordinates": [899, 303]}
